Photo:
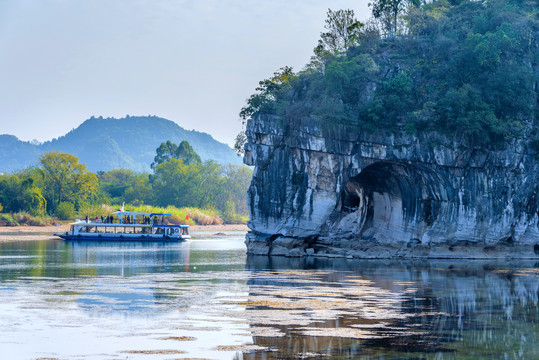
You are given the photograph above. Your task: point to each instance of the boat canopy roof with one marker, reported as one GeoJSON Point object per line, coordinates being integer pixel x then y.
{"type": "Point", "coordinates": [84, 223]}
{"type": "Point", "coordinates": [119, 212]}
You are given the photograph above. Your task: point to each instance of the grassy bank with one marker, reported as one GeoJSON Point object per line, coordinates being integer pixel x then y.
{"type": "Point", "coordinates": [184, 215]}
{"type": "Point", "coordinates": [24, 218]}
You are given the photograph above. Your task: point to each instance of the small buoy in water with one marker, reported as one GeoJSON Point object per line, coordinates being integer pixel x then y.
{"type": "Point", "coordinates": [194, 267]}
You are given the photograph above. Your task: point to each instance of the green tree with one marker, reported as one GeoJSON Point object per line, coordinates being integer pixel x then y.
{"type": "Point", "coordinates": [165, 152]}
{"type": "Point", "coordinates": [462, 111]}
{"type": "Point", "coordinates": [392, 102]}
{"type": "Point", "coordinates": [343, 30]}
{"type": "Point", "coordinates": [18, 192]}
{"type": "Point", "coordinates": [236, 183]}
{"type": "Point", "coordinates": [176, 183]}
{"type": "Point", "coordinates": [121, 185]}
{"type": "Point", "coordinates": [186, 153]}
{"type": "Point", "coordinates": [32, 199]}
{"type": "Point", "coordinates": [65, 179]}
{"type": "Point", "coordinates": [207, 185]}
{"type": "Point", "coordinates": [65, 211]}
{"type": "Point", "coordinates": [390, 12]}
{"type": "Point", "coordinates": [168, 150]}
{"type": "Point", "coordinates": [468, 68]}
{"type": "Point", "coordinates": [269, 92]}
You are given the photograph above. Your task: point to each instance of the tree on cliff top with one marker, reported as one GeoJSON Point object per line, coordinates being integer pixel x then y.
{"type": "Point", "coordinates": [268, 93]}
{"type": "Point", "coordinates": [465, 68]}
{"type": "Point", "coordinates": [389, 12]}
{"type": "Point", "coordinates": [343, 30]}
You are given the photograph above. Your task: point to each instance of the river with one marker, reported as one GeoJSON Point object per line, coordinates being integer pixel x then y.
{"type": "Point", "coordinates": [206, 299]}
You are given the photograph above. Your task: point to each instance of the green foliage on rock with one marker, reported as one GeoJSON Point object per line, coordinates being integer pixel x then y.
{"type": "Point", "coordinates": [269, 93]}
{"type": "Point", "coordinates": [466, 69]}
{"type": "Point", "coordinates": [390, 13]}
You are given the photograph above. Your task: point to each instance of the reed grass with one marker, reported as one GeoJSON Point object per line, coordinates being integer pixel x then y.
{"type": "Point", "coordinates": [184, 215]}
{"type": "Point", "coordinates": [24, 218]}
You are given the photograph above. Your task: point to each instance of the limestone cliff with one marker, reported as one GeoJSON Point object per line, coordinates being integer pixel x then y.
{"type": "Point", "coordinates": [334, 190]}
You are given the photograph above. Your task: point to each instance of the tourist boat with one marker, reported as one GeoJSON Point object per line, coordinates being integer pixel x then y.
{"type": "Point", "coordinates": [127, 226]}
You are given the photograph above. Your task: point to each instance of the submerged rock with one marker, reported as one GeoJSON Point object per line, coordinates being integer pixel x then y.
{"type": "Point", "coordinates": [336, 191]}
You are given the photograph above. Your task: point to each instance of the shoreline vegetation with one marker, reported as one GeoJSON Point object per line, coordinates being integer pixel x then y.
{"type": "Point", "coordinates": [184, 216]}
{"type": "Point", "coordinates": [62, 188]}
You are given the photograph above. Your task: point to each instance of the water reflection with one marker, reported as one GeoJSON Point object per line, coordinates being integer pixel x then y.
{"type": "Point", "coordinates": [205, 299]}
{"type": "Point", "coordinates": [395, 309]}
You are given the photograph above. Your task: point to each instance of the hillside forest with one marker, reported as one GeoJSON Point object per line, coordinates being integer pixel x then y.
{"type": "Point", "coordinates": [104, 144]}
{"type": "Point", "coordinates": [466, 69]}
{"type": "Point", "coordinates": [192, 190]}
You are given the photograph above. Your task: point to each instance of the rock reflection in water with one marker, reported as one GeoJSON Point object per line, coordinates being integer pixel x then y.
{"type": "Point", "coordinates": [205, 299]}
{"type": "Point", "coordinates": [349, 309]}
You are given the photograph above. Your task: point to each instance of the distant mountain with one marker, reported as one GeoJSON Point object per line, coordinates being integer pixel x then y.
{"type": "Point", "coordinates": [105, 144]}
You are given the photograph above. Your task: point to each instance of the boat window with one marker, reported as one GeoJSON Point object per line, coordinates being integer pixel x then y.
{"type": "Point", "coordinates": [185, 231]}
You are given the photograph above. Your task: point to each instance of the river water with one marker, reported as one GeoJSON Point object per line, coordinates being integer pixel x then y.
{"type": "Point", "coordinates": [206, 299]}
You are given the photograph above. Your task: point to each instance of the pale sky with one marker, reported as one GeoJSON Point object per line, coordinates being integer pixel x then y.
{"type": "Point", "coordinates": [193, 62]}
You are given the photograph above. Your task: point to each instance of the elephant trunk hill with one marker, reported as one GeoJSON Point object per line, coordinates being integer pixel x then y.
{"type": "Point", "coordinates": [417, 145]}
{"type": "Point", "coordinates": [343, 192]}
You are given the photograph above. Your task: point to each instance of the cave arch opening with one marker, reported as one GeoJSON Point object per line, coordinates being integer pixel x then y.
{"type": "Point", "coordinates": [394, 200]}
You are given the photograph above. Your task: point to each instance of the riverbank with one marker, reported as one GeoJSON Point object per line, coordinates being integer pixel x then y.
{"type": "Point", "coordinates": [29, 233]}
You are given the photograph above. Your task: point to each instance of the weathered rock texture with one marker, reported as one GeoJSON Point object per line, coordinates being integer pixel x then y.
{"type": "Point", "coordinates": [334, 190]}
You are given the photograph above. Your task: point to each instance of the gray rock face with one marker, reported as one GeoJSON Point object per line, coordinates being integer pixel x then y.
{"type": "Point", "coordinates": [336, 191]}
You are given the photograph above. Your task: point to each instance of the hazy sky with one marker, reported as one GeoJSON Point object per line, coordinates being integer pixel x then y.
{"type": "Point", "coordinates": [193, 62]}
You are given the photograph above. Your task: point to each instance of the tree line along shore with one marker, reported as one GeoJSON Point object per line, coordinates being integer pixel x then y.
{"type": "Point", "coordinates": [61, 188]}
